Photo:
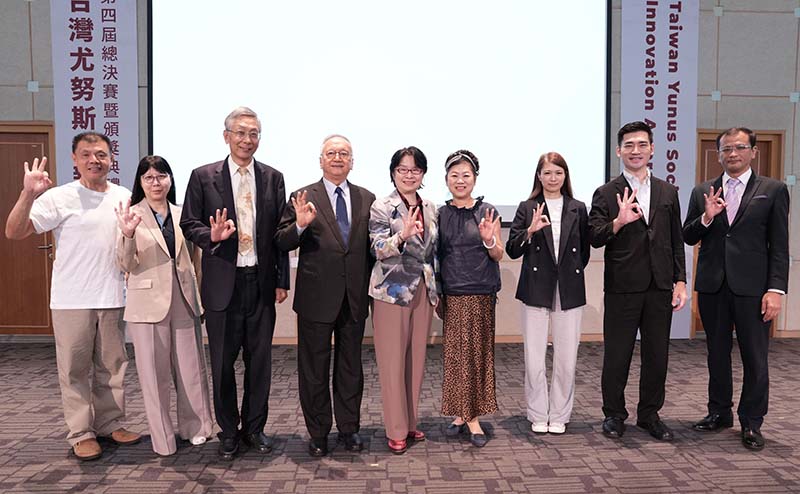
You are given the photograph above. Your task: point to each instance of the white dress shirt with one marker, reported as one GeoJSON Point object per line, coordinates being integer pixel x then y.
{"type": "Point", "coordinates": [642, 192]}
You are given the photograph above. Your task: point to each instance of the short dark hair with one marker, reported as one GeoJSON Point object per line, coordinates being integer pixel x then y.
{"type": "Point", "coordinates": [159, 164]}
{"type": "Point", "coordinates": [419, 159]}
{"type": "Point", "coordinates": [735, 130]}
{"type": "Point", "coordinates": [462, 156]}
{"type": "Point", "coordinates": [631, 127]}
{"type": "Point", "coordinates": [90, 136]}
{"type": "Point", "coordinates": [555, 159]}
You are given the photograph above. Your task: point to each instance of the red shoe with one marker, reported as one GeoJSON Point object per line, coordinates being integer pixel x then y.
{"type": "Point", "coordinates": [397, 447]}
{"type": "Point", "coordinates": [416, 436]}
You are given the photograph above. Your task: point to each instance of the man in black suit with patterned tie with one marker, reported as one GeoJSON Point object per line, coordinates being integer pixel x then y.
{"type": "Point", "coordinates": [742, 223]}
{"type": "Point", "coordinates": [328, 221]}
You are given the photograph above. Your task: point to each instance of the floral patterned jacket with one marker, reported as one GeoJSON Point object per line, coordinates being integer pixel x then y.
{"type": "Point", "coordinates": [400, 267]}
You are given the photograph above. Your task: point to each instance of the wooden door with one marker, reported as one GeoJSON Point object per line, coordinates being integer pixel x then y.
{"type": "Point", "coordinates": [25, 265]}
{"type": "Point", "coordinates": [768, 162]}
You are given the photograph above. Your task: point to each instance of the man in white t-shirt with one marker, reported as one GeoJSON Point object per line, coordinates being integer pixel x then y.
{"type": "Point", "coordinates": [86, 297]}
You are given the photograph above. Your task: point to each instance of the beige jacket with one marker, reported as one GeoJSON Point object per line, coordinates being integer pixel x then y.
{"type": "Point", "coordinates": [146, 258]}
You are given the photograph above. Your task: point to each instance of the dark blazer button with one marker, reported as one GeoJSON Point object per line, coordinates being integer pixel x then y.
{"type": "Point", "coordinates": [728, 235]}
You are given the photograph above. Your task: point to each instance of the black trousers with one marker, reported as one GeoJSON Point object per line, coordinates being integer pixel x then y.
{"type": "Point", "coordinates": [313, 369]}
{"type": "Point", "coordinates": [720, 313]}
{"type": "Point", "coordinates": [650, 313]}
{"type": "Point", "coordinates": [246, 325]}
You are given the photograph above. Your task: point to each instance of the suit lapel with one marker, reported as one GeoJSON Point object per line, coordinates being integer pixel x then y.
{"type": "Point", "coordinates": [355, 210]}
{"type": "Point", "coordinates": [175, 212]}
{"type": "Point", "coordinates": [319, 196]}
{"type": "Point", "coordinates": [547, 232]}
{"type": "Point", "coordinates": [222, 182]}
{"type": "Point", "coordinates": [655, 197]}
{"type": "Point", "coordinates": [150, 223]}
{"type": "Point", "coordinates": [568, 217]}
{"type": "Point", "coordinates": [749, 191]}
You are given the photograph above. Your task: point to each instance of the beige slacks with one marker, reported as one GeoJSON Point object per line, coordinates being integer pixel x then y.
{"type": "Point", "coordinates": [90, 341]}
{"type": "Point", "coordinates": [171, 350]}
{"type": "Point", "coordinates": [400, 335]}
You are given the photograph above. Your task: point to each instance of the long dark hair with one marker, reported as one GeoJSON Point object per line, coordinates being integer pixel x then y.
{"type": "Point", "coordinates": [554, 159]}
{"type": "Point", "coordinates": [158, 164]}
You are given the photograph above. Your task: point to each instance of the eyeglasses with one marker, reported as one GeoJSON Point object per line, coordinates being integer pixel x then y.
{"type": "Point", "coordinates": [739, 147]}
{"type": "Point", "coordinates": [151, 179]}
{"type": "Point", "coordinates": [240, 134]}
{"type": "Point", "coordinates": [630, 146]}
{"type": "Point", "coordinates": [405, 171]}
{"type": "Point", "coordinates": [342, 154]}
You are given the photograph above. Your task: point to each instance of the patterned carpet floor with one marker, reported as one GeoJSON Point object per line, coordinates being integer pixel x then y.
{"type": "Point", "coordinates": [36, 458]}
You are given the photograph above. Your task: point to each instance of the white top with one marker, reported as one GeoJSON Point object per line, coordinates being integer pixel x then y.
{"type": "Point", "coordinates": [642, 192]}
{"type": "Point", "coordinates": [250, 259]}
{"type": "Point", "coordinates": [85, 272]}
{"type": "Point", "coordinates": [555, 208]}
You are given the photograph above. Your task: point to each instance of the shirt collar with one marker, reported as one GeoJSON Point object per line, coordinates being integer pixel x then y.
{"type": "Point", "coordinates": [633, 180]}
{"type": "Point", "coordinates": [234, 168]}
{"type": "Point", "coordinates": [330, 187]}
{"type": "Point", "coordinates": [743, 178]}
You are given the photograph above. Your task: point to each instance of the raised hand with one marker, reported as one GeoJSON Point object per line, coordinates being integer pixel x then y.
{"type": "Point", "coordinates": [539, 221]}
{"type": "Point", "coordinates": [489, 223]}
{"type": "Point", "coordinates": [715, 204]}
{"type": "Point", "coordinates": [411, 224]}
{"type": "Point", "coordinates": [628, 209]}
{"type": "Point", "coordinates": [126, 219]}
{"type": "Point", "coordinates": [221, 227]}
{"type": "Point", "coordinates": [36, 179]}
{"type": "Point", "coordinates": [305, 211]}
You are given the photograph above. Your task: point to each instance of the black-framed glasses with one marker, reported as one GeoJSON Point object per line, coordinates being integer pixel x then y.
{"type": "Point", "coordinates": [240, 134]}
{"type": "Point", "coordinates": [738, 147]}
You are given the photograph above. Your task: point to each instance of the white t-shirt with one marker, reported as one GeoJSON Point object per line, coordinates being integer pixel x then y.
{"type": "Point", "coordinates": [85, 272]}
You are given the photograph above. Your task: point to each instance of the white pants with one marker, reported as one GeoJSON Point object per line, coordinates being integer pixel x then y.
{"type": "Point", "coordinates": [555, 406]}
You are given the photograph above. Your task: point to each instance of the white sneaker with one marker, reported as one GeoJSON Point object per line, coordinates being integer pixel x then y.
{"type": "Point", "coordinates": [555, 428]}
{"type": "Point", "coordinates": [198, 440]}
{"type": "Point", "coordinates": [539, 427]}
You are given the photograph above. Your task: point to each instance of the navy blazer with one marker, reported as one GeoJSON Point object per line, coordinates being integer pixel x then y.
{"type": "Point", "coordinates": [540, 271]}
{"type": "Point", "coordinates": [210, 189]}
{"type": "Point", "coordinates": [639, 253]}
{"type": "Point", "coordinates": [752, 253]}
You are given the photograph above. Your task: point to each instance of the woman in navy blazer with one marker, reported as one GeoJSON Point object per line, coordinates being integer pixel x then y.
{"type": "Point", "coordinates": [550, 231]}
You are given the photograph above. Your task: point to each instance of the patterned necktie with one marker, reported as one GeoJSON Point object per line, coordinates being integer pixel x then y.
{"type": "Point", "coordinates": [341, 215]}
{"type": "Point", "coordinates": [732, 198]}
{"type": "Point", "coordinates": [244, 212]}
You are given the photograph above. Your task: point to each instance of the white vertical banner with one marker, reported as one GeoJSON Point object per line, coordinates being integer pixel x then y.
{"type": "Point", "coordinates": [659, 87]}
{"type": "Point", "coordinates": [95, 81]}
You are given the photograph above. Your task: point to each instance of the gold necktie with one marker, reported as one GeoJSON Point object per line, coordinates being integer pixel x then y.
{"type": "Point", "coordinates": [244, 212]}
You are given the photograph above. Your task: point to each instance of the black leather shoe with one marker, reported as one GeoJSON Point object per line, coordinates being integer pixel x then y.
{"type": "Point", "coordinates": [228, 447]}
{"type": "Point", "coordinates": [657, 429]}
{"type": "Point", "coordinates": [752, 439]}
{"type": "Point", "coordinates": [258, 442]}
{"type": "Point", "coordinates": [613, 427]}
{"type": "Point", "coordinates": [318, 447]}
{"type": "Point", "coordinates": [453, 430]}
{"type": "Point", "coordinates": [713, 422]}
{"type": "Point", "coordinates": [478, 440]}
{"type": "Point", "coordinates": [352, 441]}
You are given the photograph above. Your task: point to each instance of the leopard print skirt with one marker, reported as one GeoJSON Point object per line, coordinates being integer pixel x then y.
{"type": "Point", "coordinates": [468, 390]}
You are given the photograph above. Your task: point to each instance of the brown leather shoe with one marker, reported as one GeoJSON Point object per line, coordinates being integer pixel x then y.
{"type": "Point", "coordinates": [88, 449]}
{"type": "Point", "coordinates": [125, 438]}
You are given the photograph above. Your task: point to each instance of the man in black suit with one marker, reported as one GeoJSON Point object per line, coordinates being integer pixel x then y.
{"type": "Point", "coordinates": [328, 220]}
{"type": "Point", "coordinates": [742, 222]}
{"type": "Point", "coordinates": [636, 217]}
{"type": "Point", "coordinates": [231, 212]}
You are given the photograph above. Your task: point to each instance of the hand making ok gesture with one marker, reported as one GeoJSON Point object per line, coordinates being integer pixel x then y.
{"type": "Point", "coordinates": [36, 179]}
{"type": "Point", "coordinates": [221, 227]}
{"type": "Point", "coordinates": [411, 224]}
{"type": "Point", "coordinates": [714, 203]}
{"type": "Point", "coordinates": [126, 219]}
{"type": "Point", "coordinates": [305, 211]}
{"type": "Point", "coordinates": [628, 209]}
{"type": "Point", "coordinates": [539, 221]}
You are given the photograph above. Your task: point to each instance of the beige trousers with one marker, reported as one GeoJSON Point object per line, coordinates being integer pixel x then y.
{"type": "Point", "coordinates": [90, 342]}
{"type": "Point", "coordinates": [170, 351]}
{"type": "Point", "coordinates": [400, 335]}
